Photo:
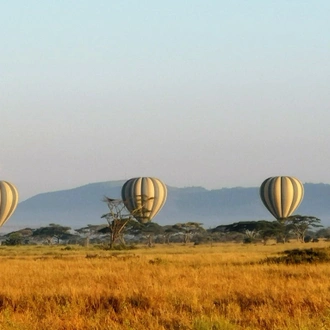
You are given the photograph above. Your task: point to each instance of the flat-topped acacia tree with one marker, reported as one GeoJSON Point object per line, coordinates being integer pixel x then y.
{"type": "Point", "coordinates": [300, 224]}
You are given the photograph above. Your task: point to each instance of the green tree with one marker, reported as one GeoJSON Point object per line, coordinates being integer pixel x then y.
{"type": "Point", "coordinates": [149, 230]}
{"type": "Point", "coordinates": [300, 224]}
{"type": "Point", "coordinates": [13, 239]}
{"type": "Point", "coordinates": [284, 230]}
{"type": "Point", "coordinates": [169, 231]}
{"type": "Point", "coordinates": [144, 230]}
{"type": "Point", "coordinates": [87, 232]}
{"type": "Point", "coordinates": [18, 237]}
{"type": "Point", "coordinates": [188, 229]}
{"type": "Point", "coordinates": [53, 231]}
{"type": "Point", "coordinates": [323, 233]}
{"type": "Point", "coordinates": [269, 230]}
{"type": "Point", "coordinates": [252, 229]}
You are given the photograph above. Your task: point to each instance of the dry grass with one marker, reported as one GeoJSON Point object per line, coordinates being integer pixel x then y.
{"type": "Point", "coordinates": [167, 287]}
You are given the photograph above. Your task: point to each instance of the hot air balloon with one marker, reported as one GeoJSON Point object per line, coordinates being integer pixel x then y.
{"type": "Point", "coordinates": [144, 197]}
{"type": "Point", "coordinates": [8, 201]}
{"type": "Point", "coordinates": [281, 195]}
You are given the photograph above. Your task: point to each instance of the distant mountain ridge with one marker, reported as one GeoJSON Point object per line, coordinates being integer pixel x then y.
{"type": "Point", "coordinates": [83, 205]}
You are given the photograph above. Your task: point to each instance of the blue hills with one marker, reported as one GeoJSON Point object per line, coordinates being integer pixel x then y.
{"type": "Point", "coordinates": [84, 205]}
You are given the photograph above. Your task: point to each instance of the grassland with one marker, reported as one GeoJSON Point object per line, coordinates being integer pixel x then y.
{"type": "Point", "coordinates": [166, 287]}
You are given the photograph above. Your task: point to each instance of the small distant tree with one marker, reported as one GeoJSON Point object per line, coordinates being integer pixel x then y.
{"type": "Point", "coordinates": [252, 230]}
{"type": "Point", "coordinates": [301, 224]}
{"type": "Point", "coordinates": [144, 230]}
{"type": "Point", "coordinates": [89, 231]}
{"type": "Point", "coordinates": [188, 229]}
{"type": "Point", "coordinates": [19, 237]}
{"type": "Point", "coordinates": [151, 229]}
{"type": "Point", "coordinates": [13, 239]}
{"type": "Point", "coordinates": [169, 231]}
{"type": "Point", "coordinates": [251, 233]}
{"type": "Point", "coordinates": [250, 236]}
{"type": "Point", "coordinates": [323, 233]}
{"type": "Point", "coordinates": [284, 230]}
{"type": "Point", "coordinates": [53, 231]}
{"type": "Point", "coordinates": [271, 230]}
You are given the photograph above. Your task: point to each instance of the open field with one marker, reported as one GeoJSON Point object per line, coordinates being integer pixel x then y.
{"type": "Point", "coordinates": [166, 287]}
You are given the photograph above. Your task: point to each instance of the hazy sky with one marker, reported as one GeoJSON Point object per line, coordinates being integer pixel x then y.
{"type": "Point", "coordinates": [197, 93]}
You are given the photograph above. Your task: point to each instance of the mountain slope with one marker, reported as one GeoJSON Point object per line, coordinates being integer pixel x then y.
{"type": "Point", "coordinates": [83, 205]}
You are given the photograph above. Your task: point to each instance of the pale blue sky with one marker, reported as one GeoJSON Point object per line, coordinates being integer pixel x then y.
{"type": "Point", "coordinates": [197, 93]}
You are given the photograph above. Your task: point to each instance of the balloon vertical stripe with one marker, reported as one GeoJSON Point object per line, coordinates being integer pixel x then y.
{"type": "Point", "coordinates": [281, 195]}
{"type": "Point", "coordinates": [298, 190]}
{"type": "Point", "coordinates": [288, 186]}
{"type": "Point", "coordinates": [8, 201]}
{"type": "Point", "coordinates": [276, 188]}
{"type": "Point", "coordinates": [266, 196]}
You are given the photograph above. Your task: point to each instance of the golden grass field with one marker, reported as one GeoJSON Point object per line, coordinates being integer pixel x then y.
{"type": "Point", "coordinates": [166, 287]}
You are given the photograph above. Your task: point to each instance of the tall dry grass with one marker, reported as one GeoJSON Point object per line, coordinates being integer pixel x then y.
{"type": "Point", "coordinates": [175, 287]}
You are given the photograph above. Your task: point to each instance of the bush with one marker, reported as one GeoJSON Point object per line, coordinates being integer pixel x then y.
{"type": "Point", "coordinates": [68, 248]}
{"type": "Point", "coordinates": [248, 240]}
{"type": "Point", "coordinates": [308, 239]}
{"type": "Point", "coordinates": [119, 247]}
{"type": "Point", "coordinates": [13, 239]}
{"type": "Point", "coordinates": [300, 256]}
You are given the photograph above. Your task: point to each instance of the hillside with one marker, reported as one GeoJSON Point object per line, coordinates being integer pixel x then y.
{"type": "Point", "coordinates": [83, 205]}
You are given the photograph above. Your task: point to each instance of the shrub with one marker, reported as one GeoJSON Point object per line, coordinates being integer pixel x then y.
{"type": "Point", "coordinates": [300, 256]}
{"type": "Point", "coordinates": [119, 247]}
{"type": "Point", "coordinates": [248, 240]}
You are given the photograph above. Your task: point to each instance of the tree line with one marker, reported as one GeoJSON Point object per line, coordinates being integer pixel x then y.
{"type": "Point", "coordinates": [302, 228]}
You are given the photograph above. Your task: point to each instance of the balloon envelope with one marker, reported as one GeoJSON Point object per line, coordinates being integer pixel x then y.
{"type": "Point", "coordinates": [144, 197]}
{"type": "Point", "coordinates": [8, 201]}
{"type": "Point", "coordinates": [281, 195]}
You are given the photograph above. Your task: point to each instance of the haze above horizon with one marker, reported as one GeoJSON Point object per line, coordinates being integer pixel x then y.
{"type": "Point", "coordinates": [199, 93]}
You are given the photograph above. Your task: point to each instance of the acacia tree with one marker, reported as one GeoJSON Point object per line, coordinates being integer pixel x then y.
{"type": "Point", "coordinates": [18, 237]}
{"type": "Point", "coordinates": [89, 231]}
{"type": "Point", "coordinates": [14, 238]}
{"type": "Point", "coordinates": [169, 231]}
{"type": "Point", "coordinates": [324, 233]}
{"type": "Point", "coordinates": [188, 229]}
{"type": "Point", "coordinates": [144, 230]}
{"type": "Point", "coordinates": [118, 217]}
{"type": "Point", "coordinates": [300, 224]}
{"type": "Point", "coordinates": [53, 231]}
{"type": "Point", "coordinates": [251, 229]}
{"type": "Point", "coordinates": [149, 230]}
{"type": "Point", "coordinates": [284, 229]}
{"type": "Point", "coordinates": [273, 229]}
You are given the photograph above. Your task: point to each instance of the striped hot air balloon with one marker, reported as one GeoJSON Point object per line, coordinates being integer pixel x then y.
{"type": "Point", "coordinates": [144, 197]}
{"type": "Point", "coordinates": [8, 201]}
{"type": "Point", "coordinates": [281, 195]}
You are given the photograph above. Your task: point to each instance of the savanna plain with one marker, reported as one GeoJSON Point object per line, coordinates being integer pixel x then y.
{"type": "Point", "coordinates": [204, 287]}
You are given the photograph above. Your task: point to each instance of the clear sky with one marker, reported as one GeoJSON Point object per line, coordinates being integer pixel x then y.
{"type": "Point", "coordinates": [197, 93]}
